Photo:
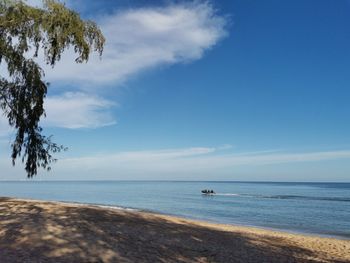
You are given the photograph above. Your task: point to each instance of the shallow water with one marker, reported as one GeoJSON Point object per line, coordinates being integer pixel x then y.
{"type": "Point", "coordinates": [317, 208]}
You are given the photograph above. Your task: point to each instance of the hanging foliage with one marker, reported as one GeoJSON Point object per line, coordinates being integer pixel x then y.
{"type": "Point", "coordinates": [26, 30]}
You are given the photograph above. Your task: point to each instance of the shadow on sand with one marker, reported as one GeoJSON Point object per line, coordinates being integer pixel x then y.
{"type": "Point", "coordinates": [47, 232]}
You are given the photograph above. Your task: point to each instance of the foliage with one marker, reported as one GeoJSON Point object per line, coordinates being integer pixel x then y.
{"type": "Point", "coordinates": [52, 29]}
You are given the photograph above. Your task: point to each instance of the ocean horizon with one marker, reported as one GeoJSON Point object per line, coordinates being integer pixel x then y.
{"type": "Point", "coordinates": [317, 208]}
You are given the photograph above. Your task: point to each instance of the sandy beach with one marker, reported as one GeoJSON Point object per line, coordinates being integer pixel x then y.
{"type": "Point", "coordinates": [38, 231]}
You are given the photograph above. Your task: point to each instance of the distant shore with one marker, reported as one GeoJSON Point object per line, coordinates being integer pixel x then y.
{"type": "Point", "coordinates": [40, 231]}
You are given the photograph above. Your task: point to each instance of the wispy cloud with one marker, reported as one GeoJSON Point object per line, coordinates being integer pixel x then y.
{"type": "Point", "coordinates": [155, 155]}
{"type": "Point", "coordinates": [78, 110]}
{"type": "Point", "coordinates": [186, 161]}
{"type": "Point", "coordinates": [72, 110]}
{"type": "Point", "coordinates": [201, 156]}
{"type": "Point", "coordinates": [144, 38]}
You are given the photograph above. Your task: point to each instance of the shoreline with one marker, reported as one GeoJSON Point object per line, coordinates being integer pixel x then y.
{"type": "Point", "coordinates": [116, 207]}
{"type": "Point", "coordinates": [53, 231]}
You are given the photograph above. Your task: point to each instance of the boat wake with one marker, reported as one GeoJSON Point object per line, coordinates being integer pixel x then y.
{"type": "Point", "coordinates": [227, 194]}
{"type": "Point", "coordinates": [295, 197]}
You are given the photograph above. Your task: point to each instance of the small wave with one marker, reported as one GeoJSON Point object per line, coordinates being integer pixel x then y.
{"type": "Point", "coordinates": [314, 198]}
{"type": "Point", "coordinates": [296, 197]}
{"type": "Point", "coordinates": [117, 207]}
{"type": "Point", "coordinates": [96, 205]}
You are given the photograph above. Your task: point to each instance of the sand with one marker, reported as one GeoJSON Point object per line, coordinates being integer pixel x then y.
{"type": "Point", "coordinates": [37, 231]}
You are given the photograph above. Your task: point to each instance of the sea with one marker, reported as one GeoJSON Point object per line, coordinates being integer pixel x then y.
{"type": "Point", "coordinates": [321, 209]}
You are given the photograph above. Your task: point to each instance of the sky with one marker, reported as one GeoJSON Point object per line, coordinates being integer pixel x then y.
{"type": "Point", "coordinates": [243, 90]}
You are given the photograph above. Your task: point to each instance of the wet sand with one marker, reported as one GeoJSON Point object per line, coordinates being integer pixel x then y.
{"type": "Point", "coordinates": [38, 231]}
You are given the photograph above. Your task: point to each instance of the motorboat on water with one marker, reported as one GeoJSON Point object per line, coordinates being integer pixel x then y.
{"type": "Point", "coordinates": [208, 192]}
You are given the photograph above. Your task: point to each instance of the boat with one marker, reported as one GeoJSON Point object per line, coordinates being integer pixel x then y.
{"type": "Point", "coordinates": [208, 192]}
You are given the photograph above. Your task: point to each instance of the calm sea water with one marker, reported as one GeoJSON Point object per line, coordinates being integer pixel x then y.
{"type": "Point", "coordinates": [317, 208]}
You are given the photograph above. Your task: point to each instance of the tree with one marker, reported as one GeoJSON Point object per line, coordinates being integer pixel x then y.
{"type": "Point", "coordinates": [52, 29]}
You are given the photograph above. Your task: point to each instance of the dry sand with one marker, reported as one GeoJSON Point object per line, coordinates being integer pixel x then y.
{"type": "Point", "coordinates": [37, 231]}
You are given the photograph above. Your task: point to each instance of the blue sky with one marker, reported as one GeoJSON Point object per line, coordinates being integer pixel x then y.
{"type": "Point", "coordinates": [204, 90]}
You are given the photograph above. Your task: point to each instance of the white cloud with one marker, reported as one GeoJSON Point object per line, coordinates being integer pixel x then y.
{"type": "Point", "coordinates": [137, 40]}
{"type": "Point", "coordinates": [77, 110]}
{"type": "Point", "coordinates": [72, 110]}
{"type": "Point", "coordinates": [140, 39]}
